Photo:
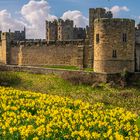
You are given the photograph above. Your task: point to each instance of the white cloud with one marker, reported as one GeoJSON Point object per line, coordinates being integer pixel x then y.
{"type": "Point", "coordinates": [35, 13]}
{"type": "Point", "coordinates": [79, 19]}
{"type": "Point", "coordinates": [8, 22]}
{"type": "Point", "coordinates": [33, 16]}
{"type": "Point", "coordinates": [117, 9]}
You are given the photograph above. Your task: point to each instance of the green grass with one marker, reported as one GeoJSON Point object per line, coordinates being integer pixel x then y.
{"type": "Point", "coordinates": [67, 67]}
{"type": "Point", "coordinates": [62, 67]}
{"type": "Point", "coordinates": [88, 69]}
{"type": "Point", "coordinates": [128, 98]}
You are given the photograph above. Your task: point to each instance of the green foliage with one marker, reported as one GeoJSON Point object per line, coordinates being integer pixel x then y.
{"type": "Point", "coordinates": [9, 79]}
{"type": "Point", "coordinates": [138, 122]}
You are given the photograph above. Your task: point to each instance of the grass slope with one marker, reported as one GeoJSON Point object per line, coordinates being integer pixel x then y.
{"type": "Point", "coordinates": [128, 98]}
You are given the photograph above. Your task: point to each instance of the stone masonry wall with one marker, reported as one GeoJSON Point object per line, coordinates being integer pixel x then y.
{"type": "Point", "coordinates": [0, 51]}
{"type": "Point", "coordinates": [137, 57]}
{"type": "Point", "coordinates": [88, 56]}
{"type": "Point", "coordinates": [51, 55]}
{"type": "Point", "coordinates": [14, 51]}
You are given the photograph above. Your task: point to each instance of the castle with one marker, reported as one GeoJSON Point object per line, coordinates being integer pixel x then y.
{"type": "Point", "coordinates": [108, 45]}
{"type": "Point", "coordinates": [60, 30]}
{"type": "Point", "coordinates": [17, 35]}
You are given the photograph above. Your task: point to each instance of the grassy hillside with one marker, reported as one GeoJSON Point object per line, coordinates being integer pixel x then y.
{"type": "Point", "coordinates": [128, 98]}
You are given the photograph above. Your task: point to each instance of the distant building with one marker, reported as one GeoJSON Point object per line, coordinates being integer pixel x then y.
{"type": "Point", "coordinates": [17, 35]}
{"type": "Point", "coordinates": [60, 30]}
{"type": "Point", "coordinates": [65, 30]}
{"type": "Point", "coordinates": [79, 33]}
{"type": "Point", "coordinates": [51, 30]}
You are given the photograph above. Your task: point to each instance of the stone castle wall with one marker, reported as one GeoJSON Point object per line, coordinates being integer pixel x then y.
{"type": "Point", "coordinates": [51, 55]}
{"type": "Point", "coordinates": [137, 53]}
{"type": "Point", "coordinates": [112, 52]}
{"type": "Point", "coordinates": [71, 53]}
{"type": "Point", "coordinates": [14, 59]}
{"type": "Point", "coordinates": [88, 56]}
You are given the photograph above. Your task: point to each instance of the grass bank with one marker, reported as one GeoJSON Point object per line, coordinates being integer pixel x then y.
{"type": "Point", "coordinates": [128, 98]}
{"type": "Point", "coordinates": [66, 67]}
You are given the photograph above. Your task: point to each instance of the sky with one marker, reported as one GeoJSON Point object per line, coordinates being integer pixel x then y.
{"type": "Point", "coordinates": [15, 14]}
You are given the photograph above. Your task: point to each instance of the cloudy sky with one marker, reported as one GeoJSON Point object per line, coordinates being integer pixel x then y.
{"type": "Point", "coordinates": [15, 14]}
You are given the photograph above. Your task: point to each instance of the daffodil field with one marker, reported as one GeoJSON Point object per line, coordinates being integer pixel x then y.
{"type": "Point", "coordinates": [29, 115]}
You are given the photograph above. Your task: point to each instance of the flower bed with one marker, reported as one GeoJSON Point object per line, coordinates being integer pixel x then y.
{"type": "Point", "coordinates": [29, 115]}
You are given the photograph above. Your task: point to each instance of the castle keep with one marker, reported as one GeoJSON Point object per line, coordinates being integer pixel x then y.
{"type": "Point", "coordinates": [108, 45]}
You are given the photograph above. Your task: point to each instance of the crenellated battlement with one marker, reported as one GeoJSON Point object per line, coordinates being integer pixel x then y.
{"type": "Point", "coordinates": [62, 22]}
{"type": "Point", "coordinates": [14, 36]}
{"type": "Point", "coordinates": [40, 43]}
{"type": "Point", "coordinates": [117, 21]}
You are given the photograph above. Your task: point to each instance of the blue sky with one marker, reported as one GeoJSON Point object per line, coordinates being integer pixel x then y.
{"type": "Point", "coordinates": [32, 15]}
{"type": "Point", "coordinates": [58, 7]}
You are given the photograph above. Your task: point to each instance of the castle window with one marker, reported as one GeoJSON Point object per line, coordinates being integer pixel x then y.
{"type": "Point", "coordinates": [114, 54]}
{"type": "Point", "coordinates": [97, 38]}
{"type": "Point", "coordinates": [124, 37]}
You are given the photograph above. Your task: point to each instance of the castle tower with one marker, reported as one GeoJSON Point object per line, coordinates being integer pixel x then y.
{"type": "Point", "coordinates": [97, 13]}
{"type": "Point", "coordinates": [114, 43]}
{"type": "Point", "coordinates": [51, 30]}
{"type": "Point", "coordinates": [94, 14]}
{"type": "Point", "coordinates": [65, 30]}
{"type": "Point", "coordinates": [5, 47]}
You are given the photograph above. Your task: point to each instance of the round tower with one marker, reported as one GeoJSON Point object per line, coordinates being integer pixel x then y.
{"type": "Point", "coordinates": [114, 43]}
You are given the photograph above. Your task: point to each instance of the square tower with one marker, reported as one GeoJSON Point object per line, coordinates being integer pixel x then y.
{"type": "Point", "coordinates": [51, 30]}
{"type": "Point", "coordinates": [96, 14]}
{"type": "Point", "coordinates": [65, 30]}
